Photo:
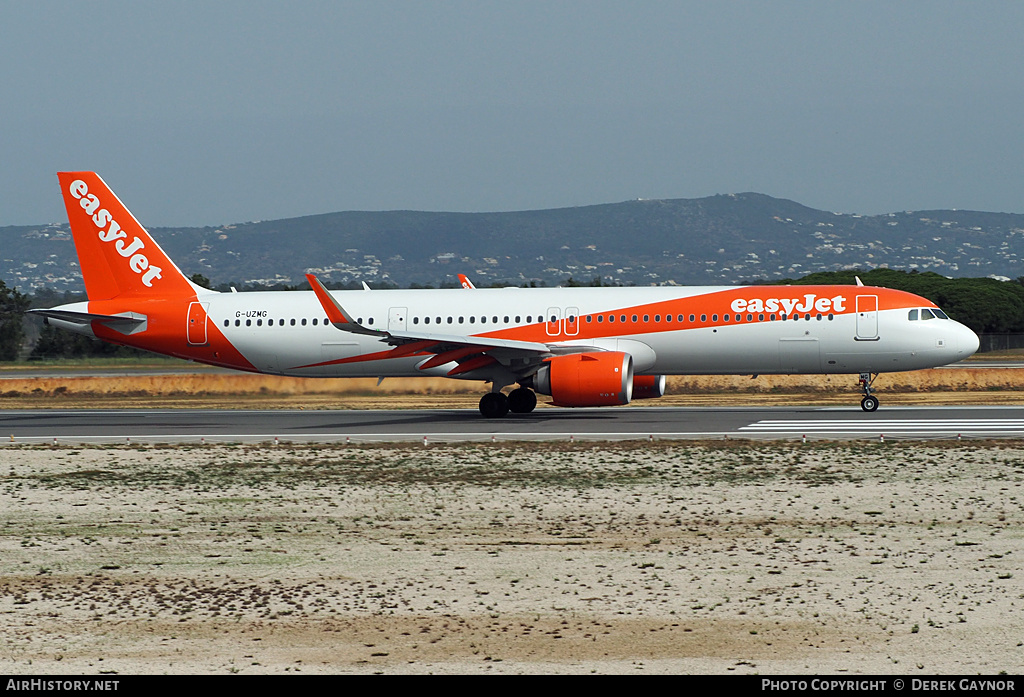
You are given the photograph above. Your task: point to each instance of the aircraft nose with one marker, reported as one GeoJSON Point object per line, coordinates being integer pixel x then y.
{"type": "Point", "coordinates": [967, 342]}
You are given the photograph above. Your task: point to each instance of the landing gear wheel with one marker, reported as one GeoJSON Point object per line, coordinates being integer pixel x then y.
{"type": "Point", "coordinates": [494, 405]}
{"type": "Point", "coordinates": [522, 400]}
{"type": "Point", "coordinates": [870, 402]}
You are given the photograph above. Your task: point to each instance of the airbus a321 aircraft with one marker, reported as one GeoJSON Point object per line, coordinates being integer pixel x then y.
{"type": "Point", "coordinates": [585, 347]}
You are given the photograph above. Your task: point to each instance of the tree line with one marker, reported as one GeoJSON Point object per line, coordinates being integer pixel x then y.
{"type": "Point", "coordinates": [986, 305]}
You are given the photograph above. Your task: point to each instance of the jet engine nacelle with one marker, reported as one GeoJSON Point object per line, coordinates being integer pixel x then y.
{"type": "Point", "coordinates": [648, 386]}
{"type": "Point", "coordinates": [598, 379]}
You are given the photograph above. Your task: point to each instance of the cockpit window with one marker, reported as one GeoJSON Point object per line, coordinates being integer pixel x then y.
{"type": "Point", "coordinates": [926, 313]}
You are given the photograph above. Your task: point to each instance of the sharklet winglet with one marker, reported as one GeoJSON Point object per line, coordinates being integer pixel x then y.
{"type": "Point", "coordinates": [337, 314]}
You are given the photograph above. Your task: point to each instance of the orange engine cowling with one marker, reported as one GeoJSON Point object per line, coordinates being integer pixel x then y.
{"type": "Point", "coordinates": [596, 379]}
{"type": "Point", "coordinates": [648, 386]}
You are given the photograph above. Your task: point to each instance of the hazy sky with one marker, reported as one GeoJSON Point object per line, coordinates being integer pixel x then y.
{"type": "Point", "coordinates": [204, 113]}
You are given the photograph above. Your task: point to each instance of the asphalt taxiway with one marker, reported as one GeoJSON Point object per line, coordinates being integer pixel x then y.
{"type": "Point", "coordinates": [437, 425]}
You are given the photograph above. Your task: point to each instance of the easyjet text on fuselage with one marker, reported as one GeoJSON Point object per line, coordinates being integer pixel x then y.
{"type": "Point", "coordinates": [809, 303]}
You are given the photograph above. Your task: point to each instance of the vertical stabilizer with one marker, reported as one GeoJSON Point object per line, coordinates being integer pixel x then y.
{"type": "Point", "coordinates": [117, 256]}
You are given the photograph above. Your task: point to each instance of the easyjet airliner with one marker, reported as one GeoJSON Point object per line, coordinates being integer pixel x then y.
{"type": "Point", "coordinates": [584, 347]}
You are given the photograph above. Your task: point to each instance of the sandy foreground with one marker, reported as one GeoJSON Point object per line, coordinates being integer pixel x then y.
{"type": "Point", "coordinates": [680, 557]}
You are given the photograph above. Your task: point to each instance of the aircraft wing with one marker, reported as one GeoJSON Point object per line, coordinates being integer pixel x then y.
{"type": "Point", "coordinates": [445, 347]}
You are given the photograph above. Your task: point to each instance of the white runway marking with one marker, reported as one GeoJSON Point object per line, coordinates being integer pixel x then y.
{"type": "Point", "coordinates": [893, 426]}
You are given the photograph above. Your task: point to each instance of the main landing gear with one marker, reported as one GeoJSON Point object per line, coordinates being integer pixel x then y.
{"type": "Point", "coordinates": [870, 402]}
{"type": "Point", "coordinates": [494, 405]}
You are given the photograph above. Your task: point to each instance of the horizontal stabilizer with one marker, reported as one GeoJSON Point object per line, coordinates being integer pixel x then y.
{"type": "Point", "coordinates": [127, 318]}
{"type": "Point", "coordinates": [125, 323]}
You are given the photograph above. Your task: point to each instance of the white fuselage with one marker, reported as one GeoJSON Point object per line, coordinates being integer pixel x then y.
{"type": "Point", "coordinates": [287, 333]}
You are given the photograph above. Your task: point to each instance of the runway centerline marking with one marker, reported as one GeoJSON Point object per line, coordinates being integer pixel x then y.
{"type": "Point", "coordinates": [885, 426]}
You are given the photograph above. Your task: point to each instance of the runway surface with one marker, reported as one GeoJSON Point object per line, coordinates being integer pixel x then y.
{"type": "Point", "coordinates": [435, 425]}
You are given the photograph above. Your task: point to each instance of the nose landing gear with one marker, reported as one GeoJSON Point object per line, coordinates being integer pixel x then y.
{"type": "Point", "coordinates": [870, 402]}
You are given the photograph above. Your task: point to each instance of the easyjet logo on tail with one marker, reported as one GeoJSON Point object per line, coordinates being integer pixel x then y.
{"type": "Point", "coordinates": [110, 231]}
{"type": "Point", "coordinates": [811, 302]}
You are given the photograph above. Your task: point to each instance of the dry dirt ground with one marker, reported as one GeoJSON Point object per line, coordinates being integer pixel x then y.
{"type": "Point", "coordinates": [962, 385]}
{"type": "Point", "coordinates": [513, 558]}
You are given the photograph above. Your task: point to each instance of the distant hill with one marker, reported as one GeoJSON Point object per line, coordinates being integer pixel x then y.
{"type": "Point", "coordinates": [724, 239]}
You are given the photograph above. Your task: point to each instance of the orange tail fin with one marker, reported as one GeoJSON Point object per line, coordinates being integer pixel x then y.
{"type": "Point", "coordinates": [117, 256]}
